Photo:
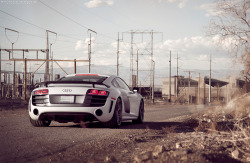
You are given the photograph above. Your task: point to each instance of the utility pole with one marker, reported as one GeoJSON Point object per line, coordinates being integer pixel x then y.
{"type": "Point", "coordinates": [188, 86]}
{"type": "Point", "coordinates": [90, 41]}
{"type": "Point", "coordinates": [47, 75]}
{"type": "Point", "coordinates": [189, 72]}
{"type": "Point", "coordinates": [131, 57]}
{"type": "Point", "coordinates": [177, 77]}
{"type": "Point", "coordinates": [51, 69]}
{"type": "Point", "coordinates": [137, 64]}
{"type": "Point", "coordinates": [89, 52]}
{"type": "Point", "coordinates": [51, 56]}
{"type": "Point", "coordinates": [210, 81]}
{"type": "Point", "coordinates": [14, 65]}
{"type": "Point", "coordinates": [117, 65]}
{"type": "Point", "coordinates": [152, 63]}
{"type": "Point", "coordinates": [24, 79]}
{"type": "Point", "coordinates": [169, 97]}
{"type": "Point", "coordinates": [199, 81]}
{"type": "Point", "coordinates": [153, 85]}
{"type": "Point", "coordinates": [0, 73]}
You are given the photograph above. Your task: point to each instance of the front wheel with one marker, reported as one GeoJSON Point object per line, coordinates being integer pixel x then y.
{"type": "Point", "coordinates": [116, 120]}
{"type": "Point", "coordinates": [38, 123]}
{"type": "Point", "coordinates": [141, 114]}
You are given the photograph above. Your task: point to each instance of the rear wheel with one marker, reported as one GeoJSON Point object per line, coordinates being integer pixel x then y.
{"type": "Point", "coordinates": [141, 114]}
{"type": "Point", "coordinates": [116, 120]}
{"type": "Point", "coordinates": [38, 123]}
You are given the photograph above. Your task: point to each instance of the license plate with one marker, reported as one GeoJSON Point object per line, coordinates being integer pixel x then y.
{"type": "Point", "coordinates": [67, 99]}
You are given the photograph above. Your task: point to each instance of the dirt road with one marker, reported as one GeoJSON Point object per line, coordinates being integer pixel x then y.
{"type": "Point", "coordinates": [21, 142]}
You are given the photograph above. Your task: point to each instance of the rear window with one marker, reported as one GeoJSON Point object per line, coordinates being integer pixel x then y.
{"type": "Point", "coordinates": [95, 79]}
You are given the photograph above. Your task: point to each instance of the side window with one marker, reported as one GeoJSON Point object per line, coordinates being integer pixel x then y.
{"type": "Point", "coordinates": [122, 84]}
{"type": "Point", "coordinates": [114, 82]}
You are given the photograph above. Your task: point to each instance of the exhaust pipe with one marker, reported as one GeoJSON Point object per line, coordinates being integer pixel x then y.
{"type": "Point", "coordinates": [98, 112]}
{"type": "Point", "coordinates": [35, 111]}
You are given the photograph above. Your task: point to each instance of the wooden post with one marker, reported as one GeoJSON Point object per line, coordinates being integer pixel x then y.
{"type": "Point", "coordinates": [4, 85]}
{"type": "Point", "coordinates": [204, 92]}
{"type": "Point", "coordinates": [74, 66]}
{"type": "Point", "coordinates": [199, 81]}
{"type": "Point", "coordinates": [14, 81]}
{"type": "Point", "coordinates": [217, 91]}
{"type": "Point", "coordinates": [24, 80]}
{"type": "Point", "coordinates": [0, 74]}
{"type": "Point", "coordinates": [188, 86]}
{"type": "Point", "coordinates": [8, 92]}
{"type": "Point", "coordinates": [169, 94]}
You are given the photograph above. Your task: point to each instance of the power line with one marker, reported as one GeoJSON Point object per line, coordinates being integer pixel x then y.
{"type": "Point", "coordinates": [25, 33]}
{"type": "Point", "coordinates": [36, 25]}
{"type": "Point", "coordinates": [68, 37]}
{"type": "Point", "coordinates": [100, 17]}
{"type": "Point", "coordinates": [29, 34]}
{"type": "Point", "coordinates": [62, 14]}
{"type": "Point", "coordinates": [22, 20]}
{"type": "Point", "coordinates": [72, 19]}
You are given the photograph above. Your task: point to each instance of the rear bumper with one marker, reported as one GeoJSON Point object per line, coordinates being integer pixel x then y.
{"type": "Point", "coordinates": [102, 114]}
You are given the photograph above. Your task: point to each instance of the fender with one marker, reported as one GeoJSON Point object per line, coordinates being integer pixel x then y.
{"type": "Point", "coordinates": [126, 101]}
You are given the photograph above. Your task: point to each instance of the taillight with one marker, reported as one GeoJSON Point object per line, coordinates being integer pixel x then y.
{"type": "Point", "coordinates": [93, 92]}
{"type": "Point", "coordinates": [41, 92]}
{"type": "Point", "coordinates": [102, 93]}
{"type": "Point", "coordinates": [97, 92]}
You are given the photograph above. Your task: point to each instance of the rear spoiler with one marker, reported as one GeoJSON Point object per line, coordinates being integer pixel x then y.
{"type": "Point", "coordinates": [70, 82]}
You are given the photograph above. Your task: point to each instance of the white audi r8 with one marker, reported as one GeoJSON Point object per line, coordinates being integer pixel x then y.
{"type": "Point", "coordinates": [85, 97]}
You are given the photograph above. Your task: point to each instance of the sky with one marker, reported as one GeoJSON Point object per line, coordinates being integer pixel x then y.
{"type": "Point", "coordinates": [179, 26]}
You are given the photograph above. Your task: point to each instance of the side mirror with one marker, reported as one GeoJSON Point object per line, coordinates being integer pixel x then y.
{"type": "Point", "coordinates": [135, 89]}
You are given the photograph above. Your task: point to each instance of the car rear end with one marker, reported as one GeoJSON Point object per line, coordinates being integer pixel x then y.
{"type": "Point", "coordinates": [71, 100]}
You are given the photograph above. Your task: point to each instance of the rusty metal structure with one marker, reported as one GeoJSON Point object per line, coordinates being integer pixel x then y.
{"type": "Point", "coordinates": [19, 84]}
{"type": "Point", "coordinates": [145, 52]}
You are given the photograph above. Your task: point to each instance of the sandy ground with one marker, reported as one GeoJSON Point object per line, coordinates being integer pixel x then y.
{"type": "Point", "coordinates": [169, 134]}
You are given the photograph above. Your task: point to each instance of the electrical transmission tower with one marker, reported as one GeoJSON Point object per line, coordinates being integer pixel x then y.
{"type": "Point", "coordinates": [147, 38]}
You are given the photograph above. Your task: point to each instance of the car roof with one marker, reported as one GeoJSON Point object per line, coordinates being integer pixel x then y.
{"type": "Point", "coordinates": [86, 74]}
{"type": "Point", "coordinates": [107, 81]}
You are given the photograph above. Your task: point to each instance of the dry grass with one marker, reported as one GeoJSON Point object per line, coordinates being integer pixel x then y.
{"type": "Point", "coordinates": [232, 119]}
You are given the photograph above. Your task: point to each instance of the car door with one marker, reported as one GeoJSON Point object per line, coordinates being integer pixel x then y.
{"type": "Point", "coordinates": [129, 97]}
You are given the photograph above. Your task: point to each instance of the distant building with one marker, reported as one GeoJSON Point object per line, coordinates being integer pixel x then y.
{"type": "Point", "coordinates": [196, 90]}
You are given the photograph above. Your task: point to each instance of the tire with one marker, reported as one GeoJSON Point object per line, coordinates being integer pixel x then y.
{"type": "Point", "coordinates": [140, 115]}
{"type": "Point", "coordinates": [38, 123]}
{"type": "Point", "coordinates": [116, 120]}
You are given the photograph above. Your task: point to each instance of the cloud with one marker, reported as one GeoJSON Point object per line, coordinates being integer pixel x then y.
{"type": "Point", "coordinates": [181, 3]}
{"type": "Point", "coordinates": [210, 9]}
{"type": "Point", "coordinates": [98, 3]}
{"type": "Point", "coordinates": [194, 53]}
{"type": "Point", "coordinates": [79, 45]}
{"type": "Point", "coordinates": [83, 45]}
{"type": "Point", "coordinates": [188, 43]}
{"type": "Point", "coordinates": [203, 57]}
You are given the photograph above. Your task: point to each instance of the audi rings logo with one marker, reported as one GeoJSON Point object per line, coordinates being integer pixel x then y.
{"type": "Point", "coordinates": [67, 90]}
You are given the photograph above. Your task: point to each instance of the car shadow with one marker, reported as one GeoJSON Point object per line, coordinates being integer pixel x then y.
{"type": "Point", "coordinates": [170, 127]}
{"type": "Point", "coordinates": [176, 127]}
